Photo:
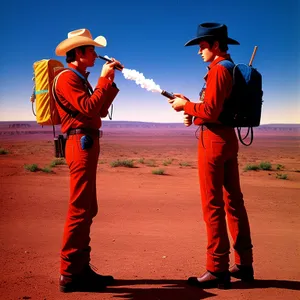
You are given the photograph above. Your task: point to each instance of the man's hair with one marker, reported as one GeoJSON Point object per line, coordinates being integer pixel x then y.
{"type": "Point", "coordinates": [71, 55]}
{"type": "Point", "coordinates": [222, 44]}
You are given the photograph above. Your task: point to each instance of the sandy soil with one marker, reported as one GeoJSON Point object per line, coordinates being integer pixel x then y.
{"type": "Point", "coordinates": [149, 232]}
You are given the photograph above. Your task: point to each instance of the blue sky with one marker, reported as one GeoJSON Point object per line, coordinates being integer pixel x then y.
{"type": "Point", "coordinates": [149, 37]}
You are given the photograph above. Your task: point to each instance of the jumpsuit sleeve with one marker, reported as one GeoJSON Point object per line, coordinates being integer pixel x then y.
{"type": "Point", "coordinates": [72, 88]}
{"type": "Point", "coordinates": [218, 88]}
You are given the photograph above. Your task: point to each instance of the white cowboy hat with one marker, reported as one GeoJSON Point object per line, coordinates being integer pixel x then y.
{"type": "Point", "coordinates": [77, 38]}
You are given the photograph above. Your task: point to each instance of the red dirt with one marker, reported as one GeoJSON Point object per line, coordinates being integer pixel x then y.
{"type": "Point", "coordinates": [149, 231]}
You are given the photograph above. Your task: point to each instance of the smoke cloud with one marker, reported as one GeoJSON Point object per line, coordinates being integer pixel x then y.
{"type": "Point", "coordinates": [140, 79]}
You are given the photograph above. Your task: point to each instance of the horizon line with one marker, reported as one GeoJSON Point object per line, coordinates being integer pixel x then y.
{"type": "Point", "coordinates": [10, 121]}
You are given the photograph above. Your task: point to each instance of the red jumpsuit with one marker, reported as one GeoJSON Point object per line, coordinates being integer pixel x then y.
{"type": "Point", "coordinates": [73, 93]}
{"type": "Point", "coordinates": [219, 175]}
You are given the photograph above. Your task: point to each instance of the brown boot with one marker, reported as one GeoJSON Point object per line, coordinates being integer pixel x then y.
{"type": "Point", "coordinates": [209, 279]}
{"type": "Point", "coordinates": [245, 273]}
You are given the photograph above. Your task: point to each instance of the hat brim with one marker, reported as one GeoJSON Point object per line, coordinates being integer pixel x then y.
{"type": "Point", "coordinates": [197, 40]}
{"type": "Point", "coordinates": [78, 41]}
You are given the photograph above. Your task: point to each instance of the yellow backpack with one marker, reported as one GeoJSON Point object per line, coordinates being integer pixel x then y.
{"type": "Point", "coordinates": [45, 111]}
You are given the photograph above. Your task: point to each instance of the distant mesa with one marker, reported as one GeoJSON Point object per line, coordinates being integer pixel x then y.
{"type": "Point", "coordinates": [19, 125]}
{"type": "Point", "coordinates": [128, 127]}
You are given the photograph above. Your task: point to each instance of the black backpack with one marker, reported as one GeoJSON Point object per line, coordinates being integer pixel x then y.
{"type": "Point", "coordinates": [243, 107]}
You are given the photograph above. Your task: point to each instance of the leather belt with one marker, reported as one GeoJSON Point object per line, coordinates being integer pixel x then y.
{"type": "Point", "coordinates": [89, 131]}
{"type": "Point", "coordinates": [212, 126]}
{"type": "Point", "coordinates": [208, 126]}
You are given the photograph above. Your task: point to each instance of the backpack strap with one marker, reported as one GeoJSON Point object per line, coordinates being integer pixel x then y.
{"type": "Point", "coordinates": [230, 66]}
{"type": "Point", "coordinates": [242, 139]}
{"type": "Point", "coordinates": [84, 80]}
{"type": "Point", "coordinates": [91, 89]}
{"type": "Point", "coordinates": [72, 113]}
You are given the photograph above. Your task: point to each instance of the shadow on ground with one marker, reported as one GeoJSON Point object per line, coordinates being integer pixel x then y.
{"type": "Point", "coordinates": [160, 289]}
{"type": "Point", "coordinates": [268, 283]}
{"type": "Point", "coordinates": [163, 289]}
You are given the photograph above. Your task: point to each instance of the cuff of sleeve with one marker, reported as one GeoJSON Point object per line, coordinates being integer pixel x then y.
{"type": "Point", "coordinates": [188, 107]}
{"type": "Point", "coordinates": [104, 83]}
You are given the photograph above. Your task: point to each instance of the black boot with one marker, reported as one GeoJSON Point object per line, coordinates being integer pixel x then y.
{"type": "Point", "coordinates": [209, 279]}
{"type": "Point", "coordinates": [86, 281]}
{"type": "Point", "coordinates": [245, 273]}
{"type": "Point", "coordinates": [106, 279]}
{"type": "Point", "coordinates": [80, 283]}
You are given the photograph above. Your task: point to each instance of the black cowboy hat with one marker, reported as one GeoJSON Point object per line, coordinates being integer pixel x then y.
{"type": "Point", "coordinates": [216, 30]}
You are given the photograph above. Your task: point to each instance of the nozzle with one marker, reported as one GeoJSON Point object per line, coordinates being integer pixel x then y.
{"type": "Point", "coordinates": [168, 95]}
{"type": "Point", "coordinates": [118, 67]}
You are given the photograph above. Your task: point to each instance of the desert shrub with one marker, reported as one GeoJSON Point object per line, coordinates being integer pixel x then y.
{"type": "Point", "coordinates": [279, 167]}
{"type": "Point", "coordinates": [151, 163]}
{"type": "Point", "coordinates": [32, 167]}
{"type": "Point", "coordinates": [127, 163]}
{"type": "Point", "coordinates": [184, 164]}
{"type": "Point", "coordinates": [101, 162]}
{"type": "Point", "coordinates": [46, 170]}
{"type": "Point", "coordinates": [265, 165]}
{"type": "Point", "coordinates": [168, 161]}
{"type": "Point", "coordinates": [158, 172]}
{"type": "Point", "coordinates": [57, 162]}
{"type": "Point", "coordinates": [141, 160]}
{"type": "Point", "coordinates": [250, 167]}
{"type": "Point", "coordinates": [281, 176]}
{"type": "Point", "coordinates": [3, 151]}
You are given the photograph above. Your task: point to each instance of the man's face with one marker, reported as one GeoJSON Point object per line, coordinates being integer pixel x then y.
{"type": "Point", "coordinates": [89, 57]}
{"type": "Point", "coordinates": [206, 52]}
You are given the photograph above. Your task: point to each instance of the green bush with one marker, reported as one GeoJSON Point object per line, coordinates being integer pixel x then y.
{"type": "Point", "coordinates": [281, 176]}
{"type": "Point", "coordinates": [151, 163]}
{"type": "Point", "coordinates": [3, 151]}
{"type": "Point", "coordinates": [265, 165]}
{"type": "Point", "coordinates": [32, 167]}
{"type": "Point", "coordinates": [128, 163]}
{"type": "Point", "coordinates": [46, 170]}
{"type": "Point", "coordinates": [57, 162]}
{"type": "Point", "coordinates": [168, 161]}
{"type": "Point", "coordinates": [279, 167]}
{"type": "Point", "coordinates": [251, 168]}
{"type": "Point", "coordinates": [141, 160]}
{"type": "Point", "coordinates": [184, 164]}
{"type": "Point", "coordinates": [158, 172]}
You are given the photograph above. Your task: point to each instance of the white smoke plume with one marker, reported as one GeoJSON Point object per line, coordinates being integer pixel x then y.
{"type": "Point", "coordinates": [140, 79]}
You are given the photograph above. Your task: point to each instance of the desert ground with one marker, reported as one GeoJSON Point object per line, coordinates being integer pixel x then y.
{"type": "Point", "coordinates": [149, 232]}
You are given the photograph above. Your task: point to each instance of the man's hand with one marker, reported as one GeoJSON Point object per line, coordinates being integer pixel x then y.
{"type": "Point", "coordinates": [108, 69]}
{"type": "Point", "coordinates": [187, 120]}
{"type": "Point", "coordinates": [179, 102]}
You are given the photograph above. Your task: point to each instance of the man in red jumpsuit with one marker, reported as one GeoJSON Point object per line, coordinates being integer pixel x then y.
{"type": "Point", "coordinates": [81, 109]}
{"type": "Point", "coordinates": [218, 165]}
